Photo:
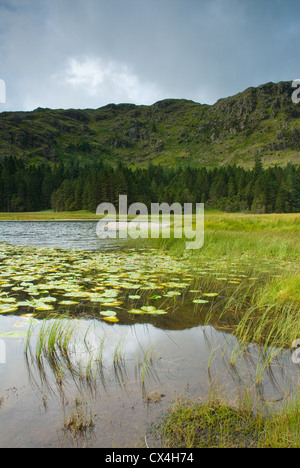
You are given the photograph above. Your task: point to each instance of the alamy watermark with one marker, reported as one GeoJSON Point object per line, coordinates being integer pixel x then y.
{"type": "Point", "coordinates": [2, 92]}
{"type": "Point", "coordinates": [296, 93]}
{"type": "Point", "coordinates": [163, 221]}
{"type": "Point", "coordinates": [296, 352]}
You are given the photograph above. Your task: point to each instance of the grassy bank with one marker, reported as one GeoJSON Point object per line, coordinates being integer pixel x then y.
{"type": "Point", "coordinates": [217, 424]}
{"type": "Point", "coordinates": [215, 220]}
{"type": "Point", "coordinates": [49, 215]}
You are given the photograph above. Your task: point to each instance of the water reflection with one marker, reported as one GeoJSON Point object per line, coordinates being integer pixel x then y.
{"type": "Point", "coordinates": [100, 356]}
{"type": "Point", "coordinates": [75, 235]}
{"type": "Point", "coordinates": [112, 369]}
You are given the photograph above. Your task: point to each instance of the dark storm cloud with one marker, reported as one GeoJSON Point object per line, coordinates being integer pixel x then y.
{"type": "Point", "coordinates": [86, 53]}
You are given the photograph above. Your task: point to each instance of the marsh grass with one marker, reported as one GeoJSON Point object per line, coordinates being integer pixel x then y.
{"type": "Point", "coordinates": [54, 341]}
{"type": "Point", "coordinates": [281, 430]}
{"type": "Point", "coordinates": [80, 421]}
{"type": "Point", "coordinates": [209, 424]}
{"type": "Point", "coordinates": [264, 306]}
{"type": "Point", "coordinates": [145, 365]}
{"type": "Point", "coordinates": [217, 422]}
{"type": "Point", "coordinates": [69, 352]}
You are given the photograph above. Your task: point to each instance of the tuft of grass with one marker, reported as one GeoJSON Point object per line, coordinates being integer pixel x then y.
{"type": "Point", "coordinates": [282, 430]}
{"type": "Point", "coordinates": [79, 423]}
{"type": "Point", "coordinates": [217, 424]}
{"type": "Point", "coordinates": [212, 424]}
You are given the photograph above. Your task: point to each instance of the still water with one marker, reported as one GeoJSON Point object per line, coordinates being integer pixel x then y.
{"type": "Point", "coordinates": [125, 374]}
{"type": "Point", "coordinates": [79, 235]}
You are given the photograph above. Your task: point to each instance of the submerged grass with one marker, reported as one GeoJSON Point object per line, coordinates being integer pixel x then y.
{"type": "Point", "coordinates": [79, 422]}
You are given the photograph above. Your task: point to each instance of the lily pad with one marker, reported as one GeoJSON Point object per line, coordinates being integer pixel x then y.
{"type": "Point", "coordinates": [173, 294]}
{"type": "Point", "coordinates": [148, 309]}
{"type": "Point", "coordinates": [7, 310]}
{"type": "Point", "coordinates": [108, 313]}
{"type": "Point", "coordinates": [158, 312]}
{"type": "Point", "coordinates": [68, 303]}
{"type": "Point", "coordinates": [44, 307]}
{"type": "Point", "coordinates": [111, 319]}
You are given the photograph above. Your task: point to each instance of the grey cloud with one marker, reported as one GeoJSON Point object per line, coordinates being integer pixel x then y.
{"type": "Point", "coordinates": [195, 49]}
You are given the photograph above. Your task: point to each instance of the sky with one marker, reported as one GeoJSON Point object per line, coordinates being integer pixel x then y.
{"type": "Point", "coordinates": [89, 53]}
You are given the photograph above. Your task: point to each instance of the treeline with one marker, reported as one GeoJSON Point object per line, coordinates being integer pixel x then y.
{"type": "Point", "coordinates": [75, 187]}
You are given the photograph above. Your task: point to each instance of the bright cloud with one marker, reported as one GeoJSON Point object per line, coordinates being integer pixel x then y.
{"type": "Point", "coordinates": [108, 80]}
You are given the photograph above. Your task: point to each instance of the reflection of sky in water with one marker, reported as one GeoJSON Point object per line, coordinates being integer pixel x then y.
{"type": "Point", "coordinates": [66, 235]}
{"type": "Point", "coordinates": [176, 355]}
{"type": "Point", "coordinates": [180, 360]}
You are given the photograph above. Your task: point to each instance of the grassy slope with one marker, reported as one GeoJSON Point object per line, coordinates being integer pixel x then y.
{"type": "Point", "coordinates": [260, 120]}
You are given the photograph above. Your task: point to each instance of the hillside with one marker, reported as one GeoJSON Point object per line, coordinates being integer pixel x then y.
{"type": "Point", "coordinates": [259, 121]}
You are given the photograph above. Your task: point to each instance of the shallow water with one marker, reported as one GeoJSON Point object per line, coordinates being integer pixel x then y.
{"type": "Point", "coordinates": [171, 355]}
{"type": "Point", "coordinates": [118, 396]}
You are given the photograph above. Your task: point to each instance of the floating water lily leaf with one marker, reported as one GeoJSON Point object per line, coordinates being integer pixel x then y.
{"type": "Point", "coordinates": [109, 313]}
{"type": "Point", "coordinates": [136, 312]}
{"type": "Point", "coordinates": [44, 307]}
{"type": "Point", "coordinates": [158, 312]}
{"type": "Point", "coordinates": [7, 310]}
{"type": "Point", "coordinates": [148, 309]}
{"type": "Point", "coordinates": [77, 294]}
{"type": "Point", "coordinates": [173, 294]}
{"type": "Point", "coordinates": [156, 297]}
{"type": "Point", "coordinates": [210, 294]}
{"type": "Point", "coordinates": [25, 304]}
{"type": "Point", "coordinates": [200, 301]}
{"type": "Point", "coordinates": [49, 299]}
{"type": "Point", "coordinates": [68, 303]}
{"type": "Point", "coordinates": [99, 299]}
{"type": "Point", "coordinates": [111, 293]}
{"type": "Point", "coordinates": [134, 297]}
{"type": "Point", "coordinates": [8, 300]}
{"type": "Point", "coordinates": [111, 319]}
